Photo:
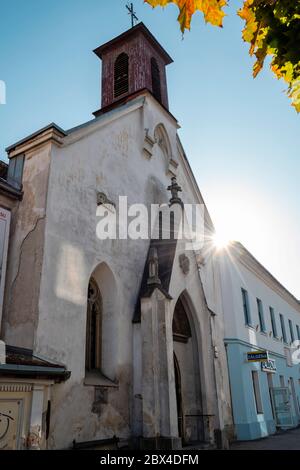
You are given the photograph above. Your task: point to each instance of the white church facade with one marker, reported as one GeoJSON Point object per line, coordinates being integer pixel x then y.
{"type": "Point", "coordinates": [116, 340]}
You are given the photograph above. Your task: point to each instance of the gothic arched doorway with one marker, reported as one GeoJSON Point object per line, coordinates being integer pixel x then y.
{"type": "Point", "coordinates": [187, 376]}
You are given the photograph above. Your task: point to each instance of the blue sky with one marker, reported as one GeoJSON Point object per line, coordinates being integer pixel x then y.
{"type": "Point", "coordinates": [241, 135]}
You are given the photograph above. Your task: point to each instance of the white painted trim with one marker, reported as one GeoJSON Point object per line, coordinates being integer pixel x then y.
{"type": "Point", "coordinates": [249, 262]}
{"type": "Point", "coordinates": [194, 185]}
{"type": "Point", "coordinates": [93, 126]}
{"type": "Point", "coordinates": [15, 388]}
{"type": "Point", "coordinates": [5, 217]}
{"type": "Point", "coordinates": [31, 382]}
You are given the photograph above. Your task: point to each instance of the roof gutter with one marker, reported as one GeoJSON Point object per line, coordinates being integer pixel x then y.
{"type": "Point", "coordinates": [54, 373]}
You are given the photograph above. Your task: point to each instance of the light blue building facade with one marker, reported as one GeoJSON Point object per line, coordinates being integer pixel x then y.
{"type": "Point", "coordinates": [262, 318]}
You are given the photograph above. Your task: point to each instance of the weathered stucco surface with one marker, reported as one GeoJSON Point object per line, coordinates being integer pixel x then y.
{"type": "Point", "coordinates": [26, 252]}
{"type": "Point", "coordinates": [55, 251]}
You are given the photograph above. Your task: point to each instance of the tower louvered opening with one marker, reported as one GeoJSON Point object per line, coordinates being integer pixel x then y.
{"type": "Point", "coordinates": [156, 85]}
{"type": "Point", "coordinates": [121, 78]}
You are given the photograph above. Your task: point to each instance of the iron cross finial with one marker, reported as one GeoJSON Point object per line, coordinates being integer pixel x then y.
{"type": "Point", "coordinates": [175, 190]}
{"type": "Point", "coordinates": [131, 11]}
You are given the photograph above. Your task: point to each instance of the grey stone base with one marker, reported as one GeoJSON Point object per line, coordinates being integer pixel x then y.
{"type": "Point", "coordinates": [221, 439]}
{"type": "Point", "coordinates": [161, 443]}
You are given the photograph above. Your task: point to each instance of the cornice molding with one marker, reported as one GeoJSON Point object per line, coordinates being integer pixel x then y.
{"type": "Point", "coordinates": [252, 346]}
{"type": "Point", "coordinates": [251, 263]}
{"type": "Point", "coordinates": [15, 388]}
{"type": "Point", "coordinates": [50, 135]}
{"type": "Point", "coordinates": [84, 130]}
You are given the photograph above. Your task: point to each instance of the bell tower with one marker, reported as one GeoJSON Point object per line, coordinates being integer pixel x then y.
{"type": "Point", "coordinates": [131, 63]}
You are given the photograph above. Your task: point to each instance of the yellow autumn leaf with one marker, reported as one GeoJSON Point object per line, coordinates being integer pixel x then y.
{"type": "Point", "coordinates": [247, 14]}
{"type": "Point", "coordinates": [294, 94]}
{"type": "Point", "coordinates": [286, 72]}
{"type": "Point", "coordinates": [211, 9]}
{"type": "Point", "coordinates": [276, 70]}
{"type": "Point", "coordinates": [161, 3]}
{"type": "Point", "coordinates": [257, 68]}
{"type": "Point", "coordinates": [260, 54]}
{"type": "Point", "coordinates": [289, 72]}
{"type": "Point", "coordinates": [257, 32]}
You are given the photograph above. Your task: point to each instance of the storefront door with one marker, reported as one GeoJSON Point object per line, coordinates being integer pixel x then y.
{"type": "Point", "coordinates": [282, 407]}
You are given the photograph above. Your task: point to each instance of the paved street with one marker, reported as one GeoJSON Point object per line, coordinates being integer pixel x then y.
{"type": "Point", "coordinates": [285, 440]}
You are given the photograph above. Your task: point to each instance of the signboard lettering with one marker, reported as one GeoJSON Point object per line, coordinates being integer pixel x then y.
{"type": "Point", "coordinates": [257, 356]}
{"type": "Point", "coordinates": [269, 366]}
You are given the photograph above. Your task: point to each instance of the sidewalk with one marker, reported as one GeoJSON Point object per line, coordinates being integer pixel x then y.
{"type": "Point", "coordinates": [285, 440]}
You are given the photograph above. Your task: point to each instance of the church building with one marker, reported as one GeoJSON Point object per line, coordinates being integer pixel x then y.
{"type": "Point", "coordinates": [115, 342]}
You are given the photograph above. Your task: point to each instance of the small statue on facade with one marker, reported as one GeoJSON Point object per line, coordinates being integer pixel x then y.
{"type": "Point", "coordinates": [153, 268]}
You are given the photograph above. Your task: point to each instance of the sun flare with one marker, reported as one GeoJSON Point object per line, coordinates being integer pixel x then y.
{"type": "Point", "coordinates": [221, 240]}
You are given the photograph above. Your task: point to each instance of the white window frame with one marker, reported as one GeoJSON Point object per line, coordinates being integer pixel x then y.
{"type": "Point", "coordinates": [256, 392]}
{"type": "Point", "coordinates": [5, 219]}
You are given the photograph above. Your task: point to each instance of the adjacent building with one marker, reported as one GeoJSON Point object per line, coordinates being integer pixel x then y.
{"type": "Point", "coordinates": [262, 339]}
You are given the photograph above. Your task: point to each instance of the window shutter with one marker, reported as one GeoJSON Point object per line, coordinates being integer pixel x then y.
{"type": "Point", "coordinates": [156, 85]}
{"type": "Point", "coordinates": [121, 75]}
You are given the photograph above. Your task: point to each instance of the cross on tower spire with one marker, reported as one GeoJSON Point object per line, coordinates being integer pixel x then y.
{"type": "Point", "coordinates": [131, 11]}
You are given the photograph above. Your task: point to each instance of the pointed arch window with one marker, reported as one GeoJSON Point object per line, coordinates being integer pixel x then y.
{"type": "Point", "coordinates": [93, 357]}
{"type": "Point", "coordinates": [156, 83]}
{"type": "Point", "coordinates": [121, 75]}
{"type": "Point", "coordinates": [181, 325]}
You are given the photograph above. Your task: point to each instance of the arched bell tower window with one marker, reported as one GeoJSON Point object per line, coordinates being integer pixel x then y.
{"type": "Point", "coordinates": [156, 84]}
{"type": "Point", "coordinates": [121, 75]}
{"type": "Point", "coordinates": [93, 357]}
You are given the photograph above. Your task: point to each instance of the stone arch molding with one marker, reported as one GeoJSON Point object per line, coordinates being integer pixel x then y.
{"type": "Point", "coordinates": [198, 332]}
{"type": "Point", "coordinates": [106, 282]}
{"type": "Point", "coordinates": [191, 314]}
{"type": "Point", "coordinates": [161, 139]}
{"type": "Point", "coordinates": [194, 401]}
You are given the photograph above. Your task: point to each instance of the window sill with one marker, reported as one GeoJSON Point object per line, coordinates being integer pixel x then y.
{"type": "Point", "coordinates": [96, 379]}
{"type": "Point", "coordinates": [264, 333]}
{"type": "Point", "coordinates": [250, 327]}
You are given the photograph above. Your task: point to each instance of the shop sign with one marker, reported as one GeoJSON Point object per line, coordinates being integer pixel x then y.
{"type": "Point", "coordinates": [257, 356]}
{"type": "Point", "coordinates": [269, 366]}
